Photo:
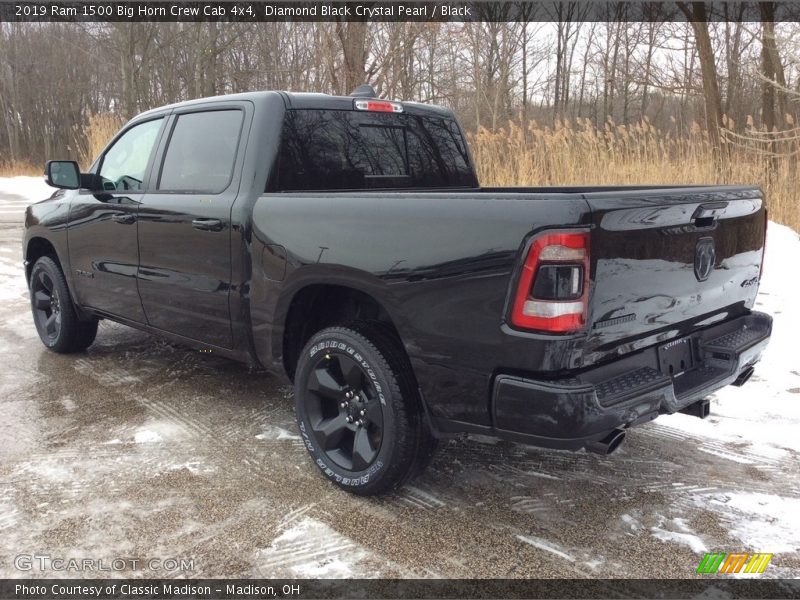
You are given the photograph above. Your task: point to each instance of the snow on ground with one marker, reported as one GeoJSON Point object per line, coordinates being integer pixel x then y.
{"type": "Point", "coordinates": [17, 193]}
{"type": "Point", "coordinates": [32, 189]}
{"type": "Point", "coordinates": [312, 549]}
{"type": "Point", "coordinates": [678, 532]}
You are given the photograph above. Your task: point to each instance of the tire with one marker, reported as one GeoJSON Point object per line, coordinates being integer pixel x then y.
{"type": "Point", "coordinates": [359, 372]}
{"type": "Point", "coordinates": [54, 314]}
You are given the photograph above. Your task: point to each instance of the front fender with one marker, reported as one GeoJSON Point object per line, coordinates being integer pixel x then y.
{"type": "Point", "coordinates": [47, 222]}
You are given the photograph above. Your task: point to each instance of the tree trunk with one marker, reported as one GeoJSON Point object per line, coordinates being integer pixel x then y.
{"type": "Point", "coordinates": [353, 39]}
{"type": "Point", "coordinates": [696, 13]}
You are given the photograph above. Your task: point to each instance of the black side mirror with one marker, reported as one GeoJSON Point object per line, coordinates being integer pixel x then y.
{"type": "Point", "coordinates": [64, 174]}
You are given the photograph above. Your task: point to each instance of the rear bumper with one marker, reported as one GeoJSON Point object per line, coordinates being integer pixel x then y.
{"type": "Point", "coordinates": [570, 413]}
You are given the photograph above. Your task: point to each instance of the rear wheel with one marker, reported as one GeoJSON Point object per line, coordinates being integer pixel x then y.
{"type": "Point", "coordinates": [358, 409]}
{"type": "Point", "coordinates": [54, 314]}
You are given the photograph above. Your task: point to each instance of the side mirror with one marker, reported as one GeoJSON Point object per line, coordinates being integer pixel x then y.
{"type": "Point", "coordinates": [63, 174]}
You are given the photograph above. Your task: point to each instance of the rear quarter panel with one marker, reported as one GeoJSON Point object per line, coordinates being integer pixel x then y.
{"type": "Point", "coordinates": [440, 264]}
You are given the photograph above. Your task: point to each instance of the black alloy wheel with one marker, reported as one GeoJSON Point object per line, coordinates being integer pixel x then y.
{"type": "Point", "coordinates": [54, 314]}
{"type": "Point", "coordinates": [358, 408]}
{"type": "Point", "coordinates": [46, 305]}
{"type": "Point", "coordinates": [344, 411]}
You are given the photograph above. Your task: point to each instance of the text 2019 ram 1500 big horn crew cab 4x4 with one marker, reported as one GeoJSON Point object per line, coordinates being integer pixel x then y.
{"type": "Point", "coordinates": [344, 243]}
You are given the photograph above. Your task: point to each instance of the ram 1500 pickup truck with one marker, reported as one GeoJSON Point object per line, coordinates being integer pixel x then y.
{"type": "Point", "coordinates": [344, 243]}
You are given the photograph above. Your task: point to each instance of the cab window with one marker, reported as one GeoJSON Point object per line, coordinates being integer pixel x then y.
{"type": "Point", "coordinates": [201, 152]}
{"type": "Point", "coordinates": [124, 164]}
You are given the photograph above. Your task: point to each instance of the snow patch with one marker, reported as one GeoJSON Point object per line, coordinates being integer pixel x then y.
{"type": "Point", "coordinates": [50, 470]}
{"type": "Point", "coordinates": [684, 536]}
{"type": "Point", "coordinates": [311, 548]}
{"type": "Point", "coordinates": [158, 431]}
{"type": "Point", "coordinates": [32, 189]}
{"type": "Point", "coordinates": [763, 522]}
{"type": "Point", "coordinates": [728, 456]}
{"type": "Point", "coordinates": [192, 467]}
{"type": "Point", "coordinates": [546, 546]}
{"type": "Point", "coordinates": [277, 433]}
{"type": "Point", "coordinates": [631, 522]}
{"type": "Point", "coordinates": [146, 437]}
{"type": "Point", "coordinates": [594, 564]}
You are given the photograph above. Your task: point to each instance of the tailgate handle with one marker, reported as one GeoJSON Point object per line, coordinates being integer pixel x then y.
{"type": "Point", "coordinates": [705, 214]}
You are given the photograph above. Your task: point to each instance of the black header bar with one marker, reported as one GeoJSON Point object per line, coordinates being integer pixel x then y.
{"type": "Point", "coordinates": [381, 10]}
{"type": "Point", "coordinates": [211, 589]}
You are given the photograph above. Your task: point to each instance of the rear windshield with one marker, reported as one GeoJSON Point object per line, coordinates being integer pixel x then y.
{"type": "Point", "coordinates": [352, 150]}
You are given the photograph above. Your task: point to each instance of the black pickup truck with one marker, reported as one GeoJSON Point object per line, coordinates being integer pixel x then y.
{"type": "Point", "coordinates": [344, 243]}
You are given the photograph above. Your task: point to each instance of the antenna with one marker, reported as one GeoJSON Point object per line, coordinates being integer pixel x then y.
{"type": "Point", "coordinates": [363, 91]}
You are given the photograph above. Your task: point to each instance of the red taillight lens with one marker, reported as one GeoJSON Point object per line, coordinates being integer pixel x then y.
{"type": "Point", "coordinates": [552, 292]}
{"type": "Point", "coordinates": [379, 106]}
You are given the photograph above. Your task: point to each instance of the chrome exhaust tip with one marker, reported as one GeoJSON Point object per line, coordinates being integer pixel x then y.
{"type": "Point", "coordinates": [744, 376]}
{"type": "Point", "coordinates": [608, 444]}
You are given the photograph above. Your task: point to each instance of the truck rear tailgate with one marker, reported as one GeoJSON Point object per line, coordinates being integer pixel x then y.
{"type": "Point", "coordinates": [665, 262]}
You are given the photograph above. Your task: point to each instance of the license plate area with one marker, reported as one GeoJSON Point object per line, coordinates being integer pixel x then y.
{"type": "Point", "coordinates": [676, 357]}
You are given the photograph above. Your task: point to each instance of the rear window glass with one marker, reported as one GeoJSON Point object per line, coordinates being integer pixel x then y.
{"type": "Point", "coordinates": [339, 150]}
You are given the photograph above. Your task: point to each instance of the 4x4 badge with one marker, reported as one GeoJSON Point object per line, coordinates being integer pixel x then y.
{"type": "Point", "coordinates": [705, 255]}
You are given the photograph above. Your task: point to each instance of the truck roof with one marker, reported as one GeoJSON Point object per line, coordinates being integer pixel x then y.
{"type": "Point", "coordinates": [299, 100]}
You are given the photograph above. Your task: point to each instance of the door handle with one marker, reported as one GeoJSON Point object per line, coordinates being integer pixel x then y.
{"type": "Point", "coordinates": [125, 219]}
{"type": "Point", "coordinates": [207, 224]}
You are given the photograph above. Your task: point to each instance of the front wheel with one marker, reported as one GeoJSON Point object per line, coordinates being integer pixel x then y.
{"type": "Point", "coordinates": [54, 315]}
{"type": "Point", "coordinates": [358, 409]}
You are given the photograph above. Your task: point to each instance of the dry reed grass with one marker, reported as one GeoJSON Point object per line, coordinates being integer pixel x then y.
{"type": "Point", "coordinates": [90, 142]}
{"type": "Point", "coordinates": [15, 168]}
{"type": "Point", "coordinates": [578, 153]}
{"type": "Point", "coordinates": [101, 129]}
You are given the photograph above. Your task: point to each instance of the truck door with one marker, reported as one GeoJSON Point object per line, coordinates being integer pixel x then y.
{"type": "Point", "coordinates": [102, 229]}
{"type": "Point", "coordinates": [184, 273]}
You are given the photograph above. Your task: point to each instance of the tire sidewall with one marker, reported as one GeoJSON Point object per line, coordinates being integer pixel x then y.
{"type": "Point", "coordinates": [383, 380]}
{"type": "Point", "coordinates": [48, 266]}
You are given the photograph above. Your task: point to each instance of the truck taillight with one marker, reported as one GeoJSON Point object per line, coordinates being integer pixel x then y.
{"type": "Point", "coordinates": [552, 292]}
{"type": "Point", "coordinates": [379, 106]}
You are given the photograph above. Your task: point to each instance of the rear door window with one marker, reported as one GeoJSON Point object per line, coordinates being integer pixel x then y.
{"type": "Point", "coordinates": [338, 150]}
{"type": "Point", "coordinates": [201, 152]}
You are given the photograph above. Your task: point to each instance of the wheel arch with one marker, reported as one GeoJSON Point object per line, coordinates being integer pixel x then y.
{"type": "Point", "coordinates": [38, 244]}
{"type": "Point", "coordinates": [316, 306]}
{"type": "Point", "coordinates": [36, 247]}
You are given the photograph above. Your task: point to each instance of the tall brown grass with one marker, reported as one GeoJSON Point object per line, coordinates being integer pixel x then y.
{"type": "Point", "coordinates": [100, 130]}
{"type": "Point", "coordinates": [89, 141]}
{"type": "Point", "coordinates": [15, 167]}
{"type": "Point", "coordinates": [579, 153]}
